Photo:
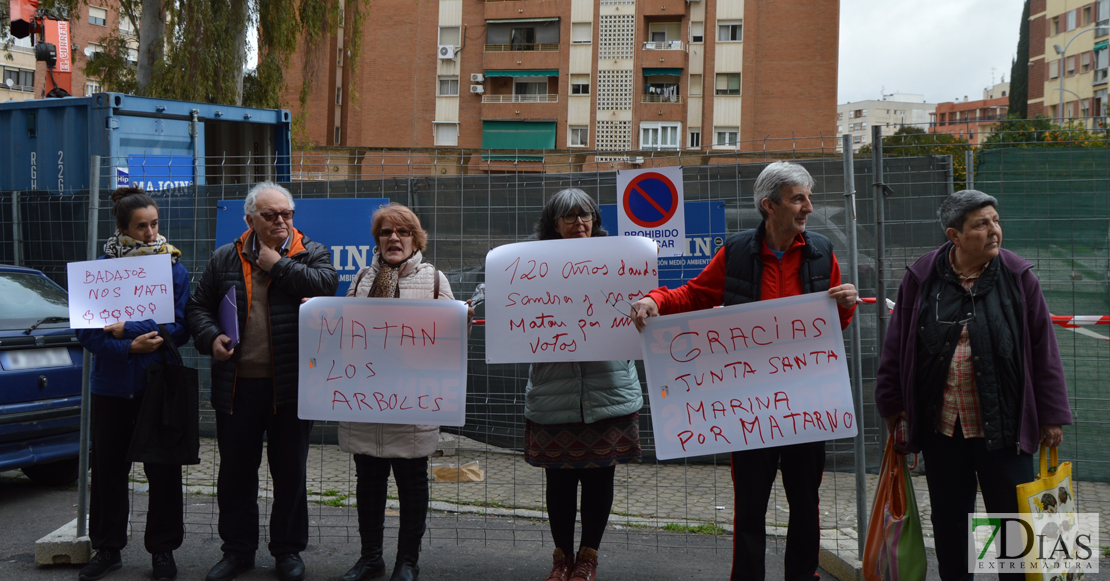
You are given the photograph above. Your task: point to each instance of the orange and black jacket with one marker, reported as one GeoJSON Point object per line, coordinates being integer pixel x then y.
{"type": "Point", "coordinates": [305, 270]}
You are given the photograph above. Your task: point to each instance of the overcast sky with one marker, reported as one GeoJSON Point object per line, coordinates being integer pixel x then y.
{"type": "Point", "coordinates": [942, 49]}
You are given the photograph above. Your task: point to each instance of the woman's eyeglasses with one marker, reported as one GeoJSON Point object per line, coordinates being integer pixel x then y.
{"type": "Point", "coordinates": [970, 316]}
{"type": "Point", "coordinates": [387, 232]}
{"type": "Point", "coordinates": [286, 215]}
{"type": "Point", "coordinates": [572, 218]}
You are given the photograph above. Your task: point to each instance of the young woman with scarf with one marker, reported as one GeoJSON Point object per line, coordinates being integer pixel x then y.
{"type": "Point", "coordinates": [121, 354]}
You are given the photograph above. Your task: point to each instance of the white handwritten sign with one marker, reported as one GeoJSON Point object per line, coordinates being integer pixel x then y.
{"type": "Point", "coordinates": [566, 300]}
{"type": "Point", "coordinates": [389, 361]}
{"type": "Point", "coordinates": [764, 374]}
{"type": "Point", "coordinates": [136, 288]}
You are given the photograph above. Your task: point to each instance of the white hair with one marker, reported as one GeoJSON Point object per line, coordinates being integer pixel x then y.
{"type": "Point", "coordinates": [774, 177]}
{"type": "Point", "coordinates": [251, 203]}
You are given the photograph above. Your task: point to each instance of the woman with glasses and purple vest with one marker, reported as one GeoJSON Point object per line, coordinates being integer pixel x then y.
{"type": "Point", "coordinates": [970, 373]}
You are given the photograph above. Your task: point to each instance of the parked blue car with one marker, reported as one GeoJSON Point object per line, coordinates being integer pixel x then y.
{"type": "Point", "coordinates": [40, 378]}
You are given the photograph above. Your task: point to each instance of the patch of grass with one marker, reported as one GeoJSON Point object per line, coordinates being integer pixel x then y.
{"type": "Point", "coordinates": [330, 493]}
{"type": "Point", "coordinates": [336, 501]}
{"type": "Point", "coordinates": [694, 529]}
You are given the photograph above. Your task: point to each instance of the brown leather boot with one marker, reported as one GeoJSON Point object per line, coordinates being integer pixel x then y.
{"type": "Point", "coordinates": [560, 567]}
{"type": "Point", "coordinates": [585, 565]}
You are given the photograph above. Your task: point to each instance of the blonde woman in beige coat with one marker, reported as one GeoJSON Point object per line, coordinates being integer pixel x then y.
{"type": "Point", "coordinates": [397, 271]}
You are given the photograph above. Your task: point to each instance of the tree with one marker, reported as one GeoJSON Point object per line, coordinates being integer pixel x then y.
{"type": "Point", "coordinates": [1019, 71]}
{"type": "Point", "coordinates": [911, 141]}
{"type": "Point", "coordinates": [1042, 132]}
{"type": "Point", "coordinates": [196, 50]}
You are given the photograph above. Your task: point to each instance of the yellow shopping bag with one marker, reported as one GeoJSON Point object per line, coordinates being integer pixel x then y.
{"type": "Point", "coordinates": [1050, 493]}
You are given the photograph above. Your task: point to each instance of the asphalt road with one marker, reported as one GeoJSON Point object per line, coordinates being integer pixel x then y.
{"type": "Point", "coordinates": [460, 548]}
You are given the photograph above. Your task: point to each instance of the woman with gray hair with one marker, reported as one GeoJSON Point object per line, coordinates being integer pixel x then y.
{"type": "Point", "coordinates": [582, 418]}
{"type": "Point", "coordinates": [970, 373]}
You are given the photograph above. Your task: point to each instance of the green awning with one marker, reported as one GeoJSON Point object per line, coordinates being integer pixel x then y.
{"type": "Point", "coordinates": [1101, 45]}
{"type": "Point", "coordinates": [671, 72]}
{"type": "Point", "coordinates": [512, 20]}
{"type": "Point", "coordinates": [525, 73]}
{"type": "Point", "coordinates": [512, 158]}
{"type": "Point", "coordinates": [518, 135]}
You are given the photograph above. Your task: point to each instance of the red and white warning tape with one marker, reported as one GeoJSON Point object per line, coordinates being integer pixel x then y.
{"type": "Point", "coordinates": [1073, 322]}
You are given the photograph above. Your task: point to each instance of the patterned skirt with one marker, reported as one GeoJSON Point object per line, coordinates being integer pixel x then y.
{"type": "Point", "coordinates": [600, 444]}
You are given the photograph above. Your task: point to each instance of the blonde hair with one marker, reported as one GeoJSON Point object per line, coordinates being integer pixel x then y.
{"type": "Point", "coordinates": [401, 217]}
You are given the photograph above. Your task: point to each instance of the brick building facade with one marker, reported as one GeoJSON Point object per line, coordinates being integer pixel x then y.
{"type": "Point", "coordinates": [605, 75]}
{"type": "Point", "coordinates": [95, 21]}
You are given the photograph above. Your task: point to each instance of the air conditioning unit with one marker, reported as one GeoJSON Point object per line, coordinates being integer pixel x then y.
{"type": "Point", "coordinates": [479, 89]}
{"type": "Point", "coordinates": [446, 52]}
{"type": "Point", "coordinates": [477, 78]}
{"type": "Point", "coordinates": [636, 161]}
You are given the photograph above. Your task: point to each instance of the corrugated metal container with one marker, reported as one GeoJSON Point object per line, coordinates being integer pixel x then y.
{"type": "Point", "coordinates": [156, 143]}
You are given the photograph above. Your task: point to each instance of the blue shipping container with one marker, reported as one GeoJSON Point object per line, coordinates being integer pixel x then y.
{"type": "Point", "coordinates": [154, 143]}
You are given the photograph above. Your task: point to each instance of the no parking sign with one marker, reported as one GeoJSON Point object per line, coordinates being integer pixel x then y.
{"type": "Point", "coordinates": [650, 205]}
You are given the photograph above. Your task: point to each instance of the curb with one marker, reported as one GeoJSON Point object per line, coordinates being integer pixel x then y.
{"type": "Point", "coordinates": [63, 547]}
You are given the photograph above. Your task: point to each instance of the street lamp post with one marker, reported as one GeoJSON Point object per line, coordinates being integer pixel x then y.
{"type": "Point", "coordinates": [1077, 98]}
{"type": "Point", "coordinates": [1063, 55]}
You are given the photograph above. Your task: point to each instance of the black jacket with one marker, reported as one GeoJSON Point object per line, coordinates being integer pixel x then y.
{"type": "Point", "coordinates": [994, 333]}
{"type": "Point", "coordinates": [305, 271]}
{"type": "Point", "coordinates": [744, 265]}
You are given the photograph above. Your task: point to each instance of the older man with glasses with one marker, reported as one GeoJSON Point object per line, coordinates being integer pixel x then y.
{"type": "Point", "coordinates": [970, 373]}
{"type": "Point", "coordinates": [272, 268]}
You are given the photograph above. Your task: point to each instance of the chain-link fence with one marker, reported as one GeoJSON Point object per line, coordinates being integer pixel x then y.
{"type": "Point", "coordinates": [1054, 201]}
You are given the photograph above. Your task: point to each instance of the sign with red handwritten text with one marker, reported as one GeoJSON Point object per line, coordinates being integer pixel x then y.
{"type": "Point", "coordinates": [135, 288]}
{"type": "Point", "coordinates": [387, 361]}
{"type": "Point", "coordinates": [763, 374]}
{"type": "Point", "coordinates": [566, 300]}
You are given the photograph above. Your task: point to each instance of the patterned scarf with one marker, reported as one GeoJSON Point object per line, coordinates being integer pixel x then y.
{"type": "Point", "coordinates": [120, 245]}
{"type": "Point", "coordinates": [385, 283]}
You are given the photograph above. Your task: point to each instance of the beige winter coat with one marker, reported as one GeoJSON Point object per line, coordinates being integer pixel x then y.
{"type": "Point", "coordinates": [415, 281]}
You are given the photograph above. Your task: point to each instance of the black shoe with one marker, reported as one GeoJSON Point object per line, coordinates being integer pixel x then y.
{"type": "Point", "coordinates": [289, 567]}
{"type": "Point", "coordinates": [105, 561]}
{"type": "Point", "coordinates": [366, 568]}
{"type": "Point", "coordinates": [230, 567]}
{"type": "Point", "coordinates": [165, 569]}
{"type": "Point", "coordinates": [408, 555]}
{"type": "Point", "coordinates": [405, 572]}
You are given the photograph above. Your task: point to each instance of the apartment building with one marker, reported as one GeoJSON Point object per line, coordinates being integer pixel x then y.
{"type": "Point", "coordinates": [18, 65]}
{"type": "Point", "coordinates": [1069, 59]}
{"type": "Point", "coordinates": [606, 75]}
{"type": "Point", "coordinates": [973, 120]}
{"type": "Point", "coordinates": [891, 113]}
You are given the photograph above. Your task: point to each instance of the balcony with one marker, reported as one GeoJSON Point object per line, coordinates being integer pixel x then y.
{"type": "Point", "coordinates": [524, 46]}
{"type": "Point", "coordinates": [1100, 76]}
{"type": "Point", "coordinates": [649, 98]}
{"type": "Point", "coordinates": [1102, 28]}
{"type": "Point", "coordinates": [520, 98]}
{"type": "Point", "coordinates": [663, 45]}
{"type": "Point", "coordinates": [19, 88]}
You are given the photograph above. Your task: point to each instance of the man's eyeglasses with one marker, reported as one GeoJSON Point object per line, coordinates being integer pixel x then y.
{"type": "Point", "coordinates": [572, 218]}
{"type": "Point", "coordinates": [387, 232]}
{"type": "Point", "coordinates": [286, 215]}
{"type": "Point", "coordinates": [970, 316]}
